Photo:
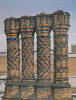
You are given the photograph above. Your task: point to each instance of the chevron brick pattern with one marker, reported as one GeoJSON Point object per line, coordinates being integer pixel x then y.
{"type": "Point", "coordinates": [13, 57]}
{"type": "Point", "coordinates": [38, 88]}
{"type": "Point", "coordinates": [27, 58]}
{"type": "Point", "coordinates": [43, 61]}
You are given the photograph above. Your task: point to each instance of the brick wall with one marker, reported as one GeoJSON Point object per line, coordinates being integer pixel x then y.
{"type": "Point", "coordinates": [73, 48]}
{"type": "Point", "coordinates": [72, 66]}
{"type": "Point", "coordinates": [3, 63]}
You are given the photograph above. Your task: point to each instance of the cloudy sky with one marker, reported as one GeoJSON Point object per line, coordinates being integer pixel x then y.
{"type": "Point", "coordinates": [19, 8]}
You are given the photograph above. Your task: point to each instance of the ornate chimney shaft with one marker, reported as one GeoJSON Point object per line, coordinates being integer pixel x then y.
{"type": "Point", "coordinates": [27, 33]}
{"type": "Point", "coordinates": [61, 84]}
{"type": "Point", "coordinates": [13, 58]}
{"type": "Point", "coordinates": [43, 57]}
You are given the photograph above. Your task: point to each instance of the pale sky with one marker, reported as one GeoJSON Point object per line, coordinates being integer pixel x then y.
{"type": "Point", "coordinates": [19, 8]}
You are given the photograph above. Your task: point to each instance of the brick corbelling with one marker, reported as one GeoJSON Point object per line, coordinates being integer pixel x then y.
{"type": "Point", "coordinates": [27, 26]}
{"type": "Point", "coordinates": [13, 57]}
{"type": "Point", "coordinates": [28, 23]}
{"type": "Point", "coordinates": [43, 57]}
{"type": "Point", "coordinates": [60, 29]}
{"type": "Point", "coordinates": [27, 29]}
{"type": "Point", "coordinates": [12, 26]}
{"type": "Point", "coordinates": [13, 51]}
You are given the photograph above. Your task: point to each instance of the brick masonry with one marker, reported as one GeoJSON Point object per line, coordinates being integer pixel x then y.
{"type": "Point", "coordinates": [42, 87]}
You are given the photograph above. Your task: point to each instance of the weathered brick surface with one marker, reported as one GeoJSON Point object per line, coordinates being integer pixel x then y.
{"type": "Point", "coordinates": [61, 46]}
{"type": "Point", "coordinates": [27, 26]}
{"type": "Point", "coordinates": [3, 64]}
{"type": "Point", "coordinates": [62, 94]}
{"type": "Point", "coordinates": [12, 91]}
{"type": "Point", "coordinates": [13, 53]}
{"type": "Point", "coordinates": [43, 56]}
{"type": "Point", "coordinates": [27, 92]}
{"type": "Point", "coordinates": [13, 57]}
{"type": "Point", "coordinates": [27, 33]}
{"type": "Point", "coordinates": [61, 56]}
{"type": "Point", "coordinates": [71, 64]}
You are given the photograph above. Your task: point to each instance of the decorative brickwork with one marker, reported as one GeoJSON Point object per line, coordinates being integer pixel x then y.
{"type": "Point", "coordinates": [62, 89]}
{"type": "Point", "coordinates": [27, 32]}
{"type": "Point", "coordinates": [13, 58]}
{"type": "Point", "coordinates": [43, 57]}
{"type": "Point", "coordinates": [29, 88]}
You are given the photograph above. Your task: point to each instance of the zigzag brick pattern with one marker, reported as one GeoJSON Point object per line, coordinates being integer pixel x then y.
{"type": "Point", "coordinates": [28, 57]}
{"type": "Point", "coordinates": [28, 87]}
